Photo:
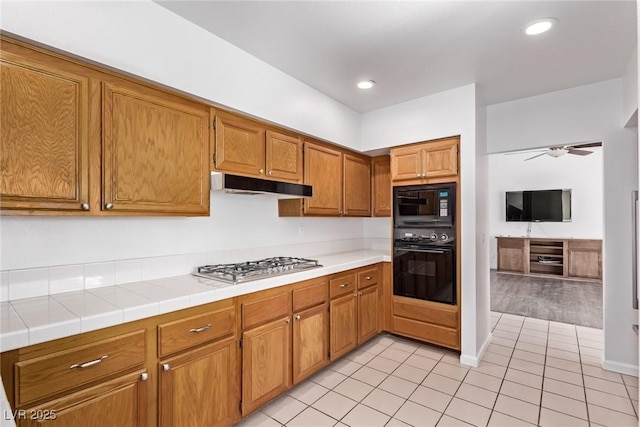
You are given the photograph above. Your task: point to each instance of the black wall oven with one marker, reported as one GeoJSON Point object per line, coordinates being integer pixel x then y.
{"type": "Point", "coordinates": [424, 252]}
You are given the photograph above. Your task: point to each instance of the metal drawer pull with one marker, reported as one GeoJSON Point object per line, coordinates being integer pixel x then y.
{"type": "Point", "coordinates": [368, 278]}
{"type": "Point", "coordinates": [165, 367]}
{"type": "Point", "coordinates": [344, 285]}
{"type": "Point", "coordinates": [144, 376]}
{"type": "Point", "coordinates": [202, 329]}
{"type": "Point", "coordinates": [87, 364]}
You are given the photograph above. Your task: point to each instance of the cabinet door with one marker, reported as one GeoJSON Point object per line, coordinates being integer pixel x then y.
{"type": "Point", "coordinates": [406, 163]}
{"type": "Point", "coordinates": [323, 171]}
{"type": "Point", "coordinates": [310, 341]}
{"type": "Point", "coordinates": [440, 158]}
{"type": "Point", "coordinates": [357, 186]}
{"type": "Point", "coordinates": [283, 157]}
{"type": "Point", "coordinates": [266, 369]}
{"type": "Point", "coordinates": [585, 258]}
{"type": "Point", "coordinates": [368, 312]}
{"type": "Point", "coordinates": [511, 255]}
{"type": "Point", "coordinates": [155, 151]}
{"type": "Point", "coordinates": [121, 402]}
{"type": "Point", "coordinates": [43, 132]}
{"type": "Point", "coordinates": [196, 388]}
{"type": "Point", "coordinates": [344, 334]}
{"type": "Point", "coordinates": [239, 145]}
{"type": "Point", "coordinates": [381, 171]}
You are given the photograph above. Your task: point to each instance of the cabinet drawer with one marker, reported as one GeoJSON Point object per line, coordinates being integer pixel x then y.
{"type": "Point", "coordinates": [309, 296]}
{"type": "Point", "coordinates": [258, 312]}
{"type": "Point", "coordinates": [47, 375]}
{"type": "Point", "coordinates": [342, 285]}
{"type": "Point", "coordinates": [367, 278]}
{"type": "Point", "coordinates": [435, 334]}
{"type": "Point", "coordinates": [189, 332]}
{"type": "Point", "coordinates": [427, 313]}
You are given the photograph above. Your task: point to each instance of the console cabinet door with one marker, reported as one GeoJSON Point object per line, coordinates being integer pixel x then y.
{"type": "Point", "coordinates": [585, 258]}
{"type": "Point", "coordinates": [323, 171]}
{"type": "Point", "coordinates": [43, 132]}
{"type": "Point", "coordinates": [155, 151]}
{"type": "Point", "coordinates": [344, 333]}
{"type": "Point", "coordinates": [120, 402]}
{"type": "Point", "coordinates": [357, 186]}
{"type": "Point", "coordinates": [196, 388]}
{"type": "Point", "coordinates": [266, 368]}
{"type": "Point", "coordinates": [310, 342]}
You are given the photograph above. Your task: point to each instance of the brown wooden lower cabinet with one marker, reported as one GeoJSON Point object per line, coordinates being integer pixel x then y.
{"type": "Point", "coordinates": [266, 368]}
{"type": "Point", "coordinates": [310, 343]}
{"type": "Point", "coordinates": [426, 321]}
{"type": "Point", "coordinates": [176, 370]}
{"type": "Point", "coordinates": [195, 387]}
{"type": "Point", "coordinates": [119, 402]}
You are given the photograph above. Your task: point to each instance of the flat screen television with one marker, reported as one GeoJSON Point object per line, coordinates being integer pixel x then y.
{"type": "Point", "coordinates": [539, 206]}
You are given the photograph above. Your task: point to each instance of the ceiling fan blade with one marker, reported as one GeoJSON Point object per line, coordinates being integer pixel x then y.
{"type": "Point", "coordinates": [579, 152]}
{"type": "Point", "coordinates": [589, 145]}
{"type": "Point", "coordinates": [525, 152]}
{"type": "Point", "coordinates": [541, 154]}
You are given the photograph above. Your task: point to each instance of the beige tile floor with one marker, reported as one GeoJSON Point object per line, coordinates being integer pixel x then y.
{"type": "Point", "coordinates": [534, 372]}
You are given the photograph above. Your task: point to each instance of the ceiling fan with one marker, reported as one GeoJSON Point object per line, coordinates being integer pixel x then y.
{"type": "Point", "coordinates": [567, 149]}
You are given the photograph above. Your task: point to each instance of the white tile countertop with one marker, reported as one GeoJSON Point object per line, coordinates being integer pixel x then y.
{"type": "Point", "coordinates": [31, 321]}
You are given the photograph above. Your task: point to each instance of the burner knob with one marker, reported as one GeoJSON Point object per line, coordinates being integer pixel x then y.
{"type": "Point", "coordinates": [444, 236]}
{"type": "Point", "coordinates": [433, 237]}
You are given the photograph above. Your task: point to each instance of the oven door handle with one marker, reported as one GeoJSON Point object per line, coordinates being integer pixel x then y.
{"type": "Point", "coordinates": [429, 251]}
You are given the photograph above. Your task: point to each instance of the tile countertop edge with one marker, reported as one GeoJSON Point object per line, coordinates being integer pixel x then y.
{"type": "Point", "coordinates": [331, 264]}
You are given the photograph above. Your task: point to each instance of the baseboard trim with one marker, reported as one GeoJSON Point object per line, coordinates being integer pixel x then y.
{"type": "Point", "coordinates": [475, 360]}
{"type": "Point", "coordinates": [622, 368]}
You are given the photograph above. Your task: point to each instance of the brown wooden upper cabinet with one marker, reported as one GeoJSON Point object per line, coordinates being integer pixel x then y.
{"type": "Point", "coordinates": [419, 162]}
{"type": "Point", "coordinates": [77, 139]}
{"type": "Point", "coordinates": [44, 132]}
{"type": "Point", "coordinates": [341, 183]}
{"type": "Point", "coordinates": [245, 147]}
{"type": "Point", "coordinates": [381, 185]}
{"type": "Point", "coordinates": [155, 151]}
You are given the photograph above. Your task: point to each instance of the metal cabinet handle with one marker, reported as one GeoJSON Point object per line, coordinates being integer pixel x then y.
{"type": "Point", "coordinates": [270, 173]}
{"type": "Point", "coordinates": [424, 175]}
{"type": "Point", "coordinates": [297, 317]}
{"type": "Point", "coordinates": [165, 367]}
{"type": "Point", "coordinates": [109, 206]}
{"type": "Point", "coordinates": [288, 320]}
{"type": "Point", "coordinates": [87, 364]}
{"type": "Point", "coordinates": [201, 329]}
{"type": "Point", "coordinates": [85, 206]}
{"type": "Point", "coordinates": [355, 295]}
{"type": "Point", "coordinates": [261, 171]}
{"type": "Point", "coordinates": [418, 175]}
{"type": "Point", "coordinates": [359, 294]}
{"type": "Point", "coordinates": [346, 213]}
{"type": "Point", "coordinates": [144, 376]}
{"type": "Point", "coordinates": [344, 285]}
{"type": "Point", "coordinates": [368, 278]}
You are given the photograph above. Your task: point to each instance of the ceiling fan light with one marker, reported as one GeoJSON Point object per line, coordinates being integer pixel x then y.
{"type": "Point", "coordinates": [557, 152]}
{"type": "Point", "coordinates": [366, 84]}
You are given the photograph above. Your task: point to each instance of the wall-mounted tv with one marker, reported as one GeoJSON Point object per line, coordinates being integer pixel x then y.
{"type": "Point", "coordinates": [539, 206]}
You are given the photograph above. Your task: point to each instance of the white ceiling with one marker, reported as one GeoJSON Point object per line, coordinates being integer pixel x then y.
{"type": "Point", "coordinates": [417, 48]}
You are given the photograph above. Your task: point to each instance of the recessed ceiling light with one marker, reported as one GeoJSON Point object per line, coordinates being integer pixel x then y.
{"type": "Point", "coordinates": [366, 84]}
{"type": "Point", "coordinates": [540, 26]}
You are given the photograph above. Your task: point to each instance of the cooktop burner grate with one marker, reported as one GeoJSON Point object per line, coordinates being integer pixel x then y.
{"type": "Point", "coordinates": [255, 270]}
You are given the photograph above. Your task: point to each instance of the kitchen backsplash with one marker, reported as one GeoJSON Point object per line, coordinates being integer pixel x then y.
{"type": "Point", "coordinates": [34, 282]}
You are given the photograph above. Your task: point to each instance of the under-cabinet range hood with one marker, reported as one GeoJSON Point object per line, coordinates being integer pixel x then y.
{"type": "Point", "coordinates": [237, 184]}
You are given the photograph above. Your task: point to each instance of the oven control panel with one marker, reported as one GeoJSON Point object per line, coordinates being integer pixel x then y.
{"type": "Point", "coordinates": [440, 236]}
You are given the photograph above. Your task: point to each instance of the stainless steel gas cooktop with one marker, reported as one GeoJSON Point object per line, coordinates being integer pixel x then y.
{"type": "Point", "coordinates": [255, 270]}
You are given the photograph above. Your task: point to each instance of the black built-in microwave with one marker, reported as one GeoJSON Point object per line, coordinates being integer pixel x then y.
{"type": "Point", "coordinates": [431, 205]}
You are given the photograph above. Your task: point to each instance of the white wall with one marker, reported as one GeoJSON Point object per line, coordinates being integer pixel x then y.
{"type": "Point", "coordinates": [147, 40]}
{"type": "Point", "coordinates": [630, 92]}
{"type": "Point", "coordinates": [581, 174]}
{"type": "Point", "coordinates": [588, 113]}
{"type": "Point", "coordinates": [444, 114]}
